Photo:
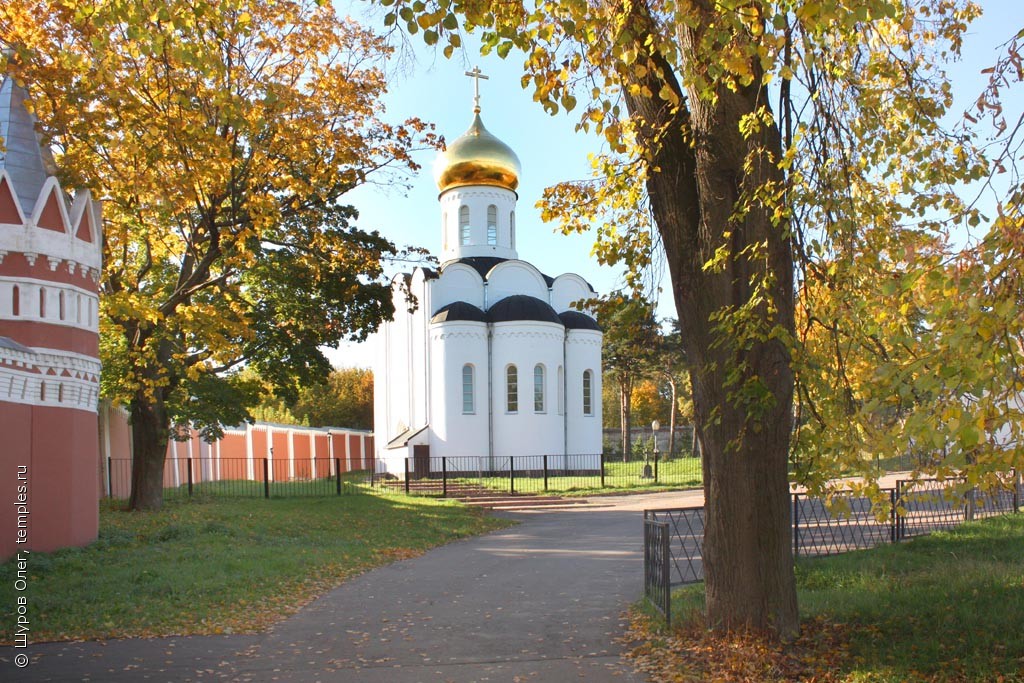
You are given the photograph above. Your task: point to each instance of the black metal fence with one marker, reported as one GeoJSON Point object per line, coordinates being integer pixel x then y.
{"type": "Point", "coordinates": [456, 475]}
{"type": "Point", "coordinates": [244, 477]}
{"type": "Point", "coordinates": [439, 476]}
{"type": "Point", "coordinates": [842, 523]}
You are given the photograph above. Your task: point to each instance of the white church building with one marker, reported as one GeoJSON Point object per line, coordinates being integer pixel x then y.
{"type": "Point", "coordinates": [493, 360]}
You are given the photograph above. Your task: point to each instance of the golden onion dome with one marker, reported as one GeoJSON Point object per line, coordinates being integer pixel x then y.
{"type": "Point", "coordinates": [477, 158]}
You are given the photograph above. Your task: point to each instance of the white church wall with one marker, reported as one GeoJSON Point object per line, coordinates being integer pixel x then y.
{"type": "Point", "coordinates": [582, 353]}
{"type": "Point", "coordinates": [477, 199]}
{"type": "Point", "coordinates": [419, 320]}
{"type": "Point", "coordinates": [526, 431]}
{"type": "Point", "coordinates": [567, 289]}
{"type": "Point", "coordinates": [399, 361]}
{"type": "Point", "coordinates": [515, 277]}
{"type": "Point", "coordinates": [457, 282]}
{"type": "Point", "coordinates": [456, 431]}
{"type": "Point", "coordinates": [381, 393]}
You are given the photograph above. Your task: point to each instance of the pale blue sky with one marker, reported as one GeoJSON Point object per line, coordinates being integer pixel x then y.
{"type": "Point", "coordinates": [435, 89]}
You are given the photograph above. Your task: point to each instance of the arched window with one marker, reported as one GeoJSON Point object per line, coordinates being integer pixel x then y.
{"type": "Point", "coordinates": [512, 228]}
{"type": "Point", "coordinates": [588, 387]}
{"type": "Point", "coordinates": [42, 302]}
{"type": "Point", "coordinates": [467, 390]}
{"type": "Point", "coordinates": [561, 391]}
{"type": "Point", "coordinates": [511, 389]}
{"type": "Point", "coordinates": [538, 388]}
{"type": "Point", "coordinates": [464, 224]}
{"type": "Point", "coordinates": [16, 301]}
{"type": "Point", "coordinates": [492, 224]}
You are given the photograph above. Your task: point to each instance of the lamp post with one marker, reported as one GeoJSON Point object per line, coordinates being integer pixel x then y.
{"type": "Point", "coordinates": [655, 426]}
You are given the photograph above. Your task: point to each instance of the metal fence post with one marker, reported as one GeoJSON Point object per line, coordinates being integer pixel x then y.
{"type": "Point", "coordinates": [511, 474]}
{"type": "Point", "coordinates": [444, 476]}
{"type": "Point", "coordinates": [266, 478]}
{"type": "Point", "coordinates": [1016, 491]}
{"type": "Point", "coordinates": [406, 461]}
{"type": "Point", "coordinates": [110, 480]}
{"type": "Point", "coordinates": [665, 581]}
{"type": "Point", "coordinates": [894, 532]}
{"type": "Point", "coordinates": [655, 469]}
{"type": "Point", "coordinates": [602, 469]}
{"type": "Point", "coordinates": [796, 525]}
{"type": "Point", "coordinates": [337, 475]}
{"type": "Point", "coordinates": [188, 468]}
{"type": "Point", "coordinates": [546, 473]}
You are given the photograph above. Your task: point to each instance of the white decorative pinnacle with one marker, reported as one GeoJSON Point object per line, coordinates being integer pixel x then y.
{"type": "Point", "coordinates": [476, 75]}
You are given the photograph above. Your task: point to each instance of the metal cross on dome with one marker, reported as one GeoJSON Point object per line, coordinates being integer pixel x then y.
{"type": "Point", "coordinates": [476, 75]}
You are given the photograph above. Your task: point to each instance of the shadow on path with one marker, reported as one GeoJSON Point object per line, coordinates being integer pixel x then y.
{"type": "Point", "coordinates": [542, 601]}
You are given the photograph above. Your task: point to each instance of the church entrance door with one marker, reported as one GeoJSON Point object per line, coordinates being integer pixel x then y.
{"type": "Point", "coordinates": [421, 461]}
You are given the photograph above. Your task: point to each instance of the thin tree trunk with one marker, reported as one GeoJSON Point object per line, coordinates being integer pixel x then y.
{"type": "Point", "coordinates": [671, 419]}
{"type": "Point", "coordinates": [626, 416]}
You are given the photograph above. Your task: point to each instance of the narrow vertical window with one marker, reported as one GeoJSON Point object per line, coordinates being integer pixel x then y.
{"type": "Point", "coordinates": [511, 389]}
{"type": "Point", "coordinates": [42, 302]}
{"type": "Point", "coordinates": [78, 303]}
{"type": "Point", "coordinates": [16, 301]}
{"type": "Point", "coordinates": [42, 391]}
{"type": "Point", "coordinates": [60, 393]}
{"type": "Point", "coordinates": [60, 300]}
{"type": "Point", "coordinates": [512, 228]}
{"type": "Point", "coordinates": [464, 224]}
{"type": "Point", "coordinates": [538, 389]}
{"type": "Point", "coordinates": [561, 391]}
{"type": "Point", "coordinates": [588, 383]}
{"type": "Point", "coordinates": [467, 390]}
{"type": "Point", "coordinates": [444, 231]}
{"type": "Point", "coordinates": [492, 224]}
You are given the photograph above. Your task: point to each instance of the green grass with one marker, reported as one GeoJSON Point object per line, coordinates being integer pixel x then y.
{"type": "Point", "coordinates": [945, 607]}
{"type": "Point", "coordinates": [223, 565]}
{"type": "Point", "coordinates": [619, 476]}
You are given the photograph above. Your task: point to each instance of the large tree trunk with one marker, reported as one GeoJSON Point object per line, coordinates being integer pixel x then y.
{"type": "Point", "coordinates": [149, 449]}
{"type": "Point", "coordinates": [698, 172]}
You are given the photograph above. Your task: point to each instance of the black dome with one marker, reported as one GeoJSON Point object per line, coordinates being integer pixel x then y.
{"type": "Point", "coordinates": [574, 320]}
{"type": "Point", "coordinates": [522, 307]}
{"type": "Point", "coordinates": [458, 310]}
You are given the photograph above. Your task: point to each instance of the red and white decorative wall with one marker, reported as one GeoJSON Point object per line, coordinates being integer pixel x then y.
{"type": "Point", "coordinates": [50, 259]}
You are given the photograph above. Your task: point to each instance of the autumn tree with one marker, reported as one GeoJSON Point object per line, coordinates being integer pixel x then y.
{"type": "Point", "coordinates": [223, 135]}
{"type": "Point", "coordinates": [754, 136]}
{"type": "Point", "coordinates": [345, 399]}
{"type": "Point", "coordinates": [629, 337]}
{"type": "Point", "coordinates": [668, 366]}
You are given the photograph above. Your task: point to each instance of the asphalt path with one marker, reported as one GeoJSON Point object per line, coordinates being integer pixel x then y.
{"type": "Point", "coordinates": [541, 601]}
